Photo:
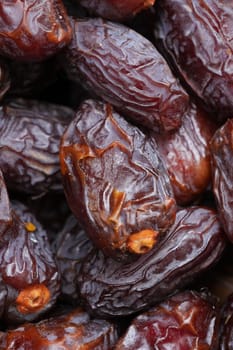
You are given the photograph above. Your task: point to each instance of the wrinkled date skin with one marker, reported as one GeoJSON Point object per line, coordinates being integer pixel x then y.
{"type": "Point", "coordinates": [194, 243]}
{"type": "Point", "coordinates": [30, 133]}
{"type": "Point", "coordinates": [196, 36]}
{"type": "Point", "coordinates": [71, 247]}
{"type": "Point", "coordinates": [123, 68]}
{"type": "Point", "coordinates": [33, 30]}
{"type": "Point", "coordinates": [117, 10]}
{"type": "Point", "coordinates": [222, 154]}
{"type": "Point", "coordinates": [186, 321]}
{"type": "Point", "coordinates": [115, 182]}
{"type": "Point", "coordinates": [29, 275]}
{"type": "Point", "coordinates": [72, 331]}
{"type": "Point", "coordinates": [226, 341]}
{"type": "Point", "coordinates": [186, 155]}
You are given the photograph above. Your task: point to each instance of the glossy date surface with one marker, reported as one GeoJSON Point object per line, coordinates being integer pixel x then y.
{"type": "Point", "coordinates": [222, 154]}
{"type": "Point", "coordinates": [186, 321]}
{"type": "Point", "coordinates": [186, 154]}
{"type": "Point", "coordinates": [115, 183]}
{"type": "Point", "coordinates": [33, 30]}
{"type": "Point", "coordinates": [194, 243]}
{"type": "Point", "coordinates": [73, 331]}
{"type": "Point", "coordinates": [123, 68]}
{"type": "Point", "coordinates": [30, 133]}
{"type": "Point", "coordinates": [196, 36]}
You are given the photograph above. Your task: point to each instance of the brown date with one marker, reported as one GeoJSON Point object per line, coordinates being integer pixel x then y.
{"type": "Point", "coordinates": [30, 282]}
{"type": "Point", "coordinates": [186, 155]}
{"type": "Point", "coordinates": [194, 243]}
{"type": "Point", "coordinates": [222, 154]}
{"type": "Point", "coordinates": [186, 321]}
{"type": "Point", "coordinates": [71, 246]}
{"type": "Point", "coordinates": [33, 30]}
{"type": "Point", "coordinates": [124, 68]}
{"type": "Point", "coordinates": [30, 133]}
{"type": "Point", "coordinates": [72, 331]}
{"type": "Point", "coordinates": [114, 181]}
{"type": "Point", "coordinates": [226, 340]}
{"type": "Point", "coordinates": [116, 9]}
{"type": "Point", "coordinates": [196, 37]}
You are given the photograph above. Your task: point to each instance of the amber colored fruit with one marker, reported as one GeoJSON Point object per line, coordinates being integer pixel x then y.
{"type": "Point", "coordinates": [33, 30]}
{"type": "Point", "coordinates": [186, 321]}
{"type": "Point", "coordinates": [115, 183]}
{"type": "Point", "coordinates": [72, 331]}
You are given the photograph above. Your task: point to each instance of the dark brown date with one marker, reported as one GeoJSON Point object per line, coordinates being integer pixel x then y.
{"type": "Point", "coordinates": [115, 182]}
{"type": "Point", "coordinates": [116, 9]}
{"type": "Point", "coordinates": [186, 155]}
{"type": "Point", "coordinates": [72, 331]}
{"type": "Point", "coordinates": [196, 36]}
{"type": "Point", "coordinates": [28, 272]}
{"type": "Point", "coordinates": [226, 341]}
{"type": "Point", "coordinates": [71, 246]}
{"type": "Point", "coordinates": [5, 79]}
{"type": "Point", "coordinates": [194, 243]}
{"type": "Point", "coordinates": [32, 30]}
{"type": "Point", "coordinates": [30, 133]}
{"type": "Point", "coordinates": [124, 68]}
{"type": "Point", "coordinates": [222, 154]}
{"type": "Point", "coordinates": [186, 321]}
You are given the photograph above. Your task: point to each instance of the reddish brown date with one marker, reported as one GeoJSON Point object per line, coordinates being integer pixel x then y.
{"type": "Point", "coordinates": [115, 182]}
{"type": "Point", "coordinates": [196, 36]}
{"type": "Point", "coordinates": [186, 155]}
{"type": "Point", "coordinates": [116, 9]}
{"type": "Point", "coordinates": [28, 272]}
{"type": "Point", "coordinates": [222, 156]}
{"type": "Point", "coordinates": [194, 243]}
{"type": "Point", "coordinates": [33, 30]}
{"type": "Point", "coordinates": [30, 133]}
{"type": "Point", "coordinates": [226, 341]}
{"type": "Point", "coordinates": [124, 68]}
{"type": "Point", "coordinates": [73, 331]}
{"type": "Point", "coordinates": [185, 321]}
{"type": "Point", "coordinates": [71, 247]}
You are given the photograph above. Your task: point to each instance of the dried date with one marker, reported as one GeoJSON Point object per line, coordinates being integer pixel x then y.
{"type": "Point", "coordinates": [29, 275]}
{"type": "Point", "coordinates": [117, 10]}
{"type": "Point", "coordinates": [194, 244]}
{"type": "Point", "coordinates": [29, 144]}
{"type": "Point", "coordinates": [222, 154]}
{"type": "Point", "coordinates": [122, 67]}
{"type": "Point", "coordinates": [71, 246]}
{"type": "Point", "coordinates": [226, 340]}
{"type": "Point", "coordinates": [114, 181]}
{"type": "Point", "coordinates": [186, 155]}
{"type": "Point", "coordinates": [72, 331]}
{"type": "Point", "coordinates": [32, 30]}
{"type": "Point", "coordinates": [196, 37]}
{"type": "Point", "coordinates": [186, 321]}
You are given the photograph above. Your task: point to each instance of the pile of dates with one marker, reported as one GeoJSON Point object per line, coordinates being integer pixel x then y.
{"type": "Point", "coordinates": [116, 178]}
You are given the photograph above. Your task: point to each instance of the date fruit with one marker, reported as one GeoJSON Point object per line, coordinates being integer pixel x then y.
{"type": "Point", "coordinates": [30, 133]}
{"type": "Point", "coordinates": [71, 246]}
{"type": "Point", "coordinates": [196, 37]}
{"type": "Point", "coordinates": [114, 181]}
{"type": "Point", "coordinates": [186, 321]}
{"type": "Point", "coordinates": [194, 243]}
{"type": "Point", "coordinates": [33, 30]}
{"type": "Point", "coordinates": [30, 281]}
{"type": "Point", "coordinates": [117, 10]}
{"type": "Point", "coordinates": [72, 331]}
{"type": "Point", "coordinates": [123, 68]}
{"type": "Point", "coordinates": [222, 154]}
{"type": "Point", "coordinates": [186, 154]}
